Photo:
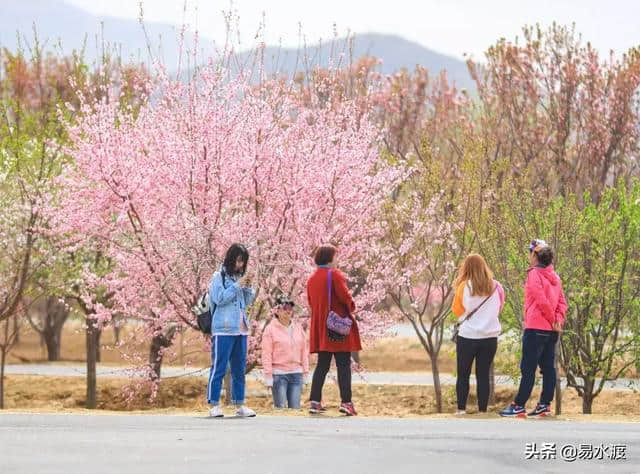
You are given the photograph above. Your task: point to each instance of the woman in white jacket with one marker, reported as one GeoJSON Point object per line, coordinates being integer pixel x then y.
{"type": "Point", "coordinates": [477, 304]}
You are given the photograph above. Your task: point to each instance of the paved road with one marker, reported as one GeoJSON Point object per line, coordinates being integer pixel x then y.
{"type": "Point", "coordinates": [154, 444]}
{"type": "Point", "coordinates": [383, 378]}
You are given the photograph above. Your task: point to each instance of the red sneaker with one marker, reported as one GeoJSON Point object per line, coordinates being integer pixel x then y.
{"type": "Point", "coordinates": [316, 408]}
{"type": "Point", "coordinates": [348, 409]}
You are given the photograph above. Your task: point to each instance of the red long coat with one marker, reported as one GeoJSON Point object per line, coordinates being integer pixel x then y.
{"type": "Point", "coordinates": [341, 302]}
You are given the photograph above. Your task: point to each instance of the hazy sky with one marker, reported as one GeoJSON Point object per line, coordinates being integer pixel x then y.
{"type": "Point", "coordinates": [449, 26]}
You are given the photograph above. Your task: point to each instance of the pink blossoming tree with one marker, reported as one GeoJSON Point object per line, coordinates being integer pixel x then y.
{"type": "Point", "coordinates": [202, 164]}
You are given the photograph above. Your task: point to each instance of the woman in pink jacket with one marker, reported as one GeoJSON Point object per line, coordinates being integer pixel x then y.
{"type": "Point", "coordinates": [285, 356]}
{"type": "Point", "coordinates": [544, 311]}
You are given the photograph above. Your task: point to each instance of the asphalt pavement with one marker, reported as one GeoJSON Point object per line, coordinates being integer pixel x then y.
{"type": "Point", "coordinates": [153, 444]}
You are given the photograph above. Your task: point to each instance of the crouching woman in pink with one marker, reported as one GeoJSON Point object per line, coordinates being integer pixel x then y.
{"type": "Point", "coordinates": [285, 356]}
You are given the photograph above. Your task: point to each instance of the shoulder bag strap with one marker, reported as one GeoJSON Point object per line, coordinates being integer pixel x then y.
{"type": "Point", "coordinates": [329, 287]}
{"type": "Point", "coordinates": [480, 305]}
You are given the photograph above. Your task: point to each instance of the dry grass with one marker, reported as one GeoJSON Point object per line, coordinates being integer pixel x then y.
{"type": "Point", "coordinates": [186, 395]}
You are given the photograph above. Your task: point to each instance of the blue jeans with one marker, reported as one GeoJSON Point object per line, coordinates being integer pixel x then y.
{"type": "Point", "coordinates": [225, 350]}
{"type": "Point", "coordinates": [287, 390]}
{"type": "Point", "coordinates": [538, 350]}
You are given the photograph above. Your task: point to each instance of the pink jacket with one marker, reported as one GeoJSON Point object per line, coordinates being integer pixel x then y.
{"type": "Point", "coordinates": [544, 301]}
{"type": "Point", "coordinates": [285, 350]}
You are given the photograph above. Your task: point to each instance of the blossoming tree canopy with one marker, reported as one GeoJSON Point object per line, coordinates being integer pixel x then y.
{"type": "Point", "coordinates": [210, 162]}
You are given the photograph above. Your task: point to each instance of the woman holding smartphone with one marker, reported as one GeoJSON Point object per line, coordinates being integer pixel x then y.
{"type": "Point", "coordinates": [231, 296]}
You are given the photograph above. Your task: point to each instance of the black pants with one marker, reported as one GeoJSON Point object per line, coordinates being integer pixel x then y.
{"type": "Point", "coordinates": [483, 351]}
{"type": "Point", "coordinates": [343, 362]}
{"type": "Point", "coordinates": [538, 350]}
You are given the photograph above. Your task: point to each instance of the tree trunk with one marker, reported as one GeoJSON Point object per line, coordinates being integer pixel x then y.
{"type": "Point", "coordinates": [52, 342]}
{"type": "Point", "coordinates": [7, 343]}
{"type": "Point", "coordinates": [92, 356]}
{"type": "Point", "coordinates": [158, 344]}
{"type": "Point", "coordinates": [492, 385]}
{"type": "Point", "coordinates": [3, 357]}
{"type": "Point", "coordinates": [558, 409]}
{"type": "Point", "coordinates": [97, 336]}
{"type": "Point", "coordinates": [16, 330]}
{"type": "Point", "coordinates": [56, 314]}
{"type": "Point", "coordinates": [117, 329]}
{"type": "Point", "coordinates": [436, 383]}
{"type": "Point", "coordinates": [587, 402]}
{"type": "Point", "coordinates": [181, 346]}
{"type": "Point", "coordinates": [587, 396]}
{"type": "Point", "coordinates": [43, 345]}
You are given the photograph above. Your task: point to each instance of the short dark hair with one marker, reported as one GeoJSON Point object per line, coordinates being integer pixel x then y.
{"type": "Point", "coordinates": [235, 251]}
{"type": "Point", "coordinates": [324, 254]}
{"type": "Point", "coordinates": [545, 256]}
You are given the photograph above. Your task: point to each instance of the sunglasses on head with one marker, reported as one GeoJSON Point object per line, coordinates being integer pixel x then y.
{"type": "Point", "coordinates": [283, 302]}
{"type": "Point", "coordinates": [537, 243]}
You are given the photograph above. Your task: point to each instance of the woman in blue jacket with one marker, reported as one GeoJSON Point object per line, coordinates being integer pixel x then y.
{"type": "Point", "coordinates": [230, 295]}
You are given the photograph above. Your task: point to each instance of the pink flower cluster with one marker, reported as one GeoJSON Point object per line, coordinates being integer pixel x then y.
{"type": "Point", "coordinates": [165, 190]}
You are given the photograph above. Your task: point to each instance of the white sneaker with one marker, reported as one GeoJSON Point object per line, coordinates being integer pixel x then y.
{"type": "Point", "coordinates": [216, 412]}
{"type": "Point", "coordinates": [461, 412]}
{"type": "Point", "coordinates": [245, 412]}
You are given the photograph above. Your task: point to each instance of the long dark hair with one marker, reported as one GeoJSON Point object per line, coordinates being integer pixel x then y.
{"type": "Point", "coordinates": [229, 264]}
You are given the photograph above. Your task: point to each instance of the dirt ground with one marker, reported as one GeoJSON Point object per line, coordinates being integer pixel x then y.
{"type": "Point", "coordinates": [186, 395]}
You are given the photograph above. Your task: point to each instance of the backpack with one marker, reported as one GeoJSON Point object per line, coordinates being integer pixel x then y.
{"type": "Point", "coordinates": [204, 310]}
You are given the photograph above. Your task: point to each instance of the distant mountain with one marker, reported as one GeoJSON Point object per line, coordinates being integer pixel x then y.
{"type": "Point", "coordinates": [394, 51]}
{"type": "Point", "coordinates": [58, 22]}
{"type": "Point", "coordinates": [61, 23]}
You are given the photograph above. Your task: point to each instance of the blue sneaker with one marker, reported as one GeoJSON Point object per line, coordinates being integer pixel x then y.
{"type": "Point", "coordinates": [514, 410]}
{"type": "Point", "coordinates": [540, 411]}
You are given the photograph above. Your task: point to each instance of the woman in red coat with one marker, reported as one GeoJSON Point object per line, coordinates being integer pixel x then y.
{"type": "Point", "coordinates": [341, 303]}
